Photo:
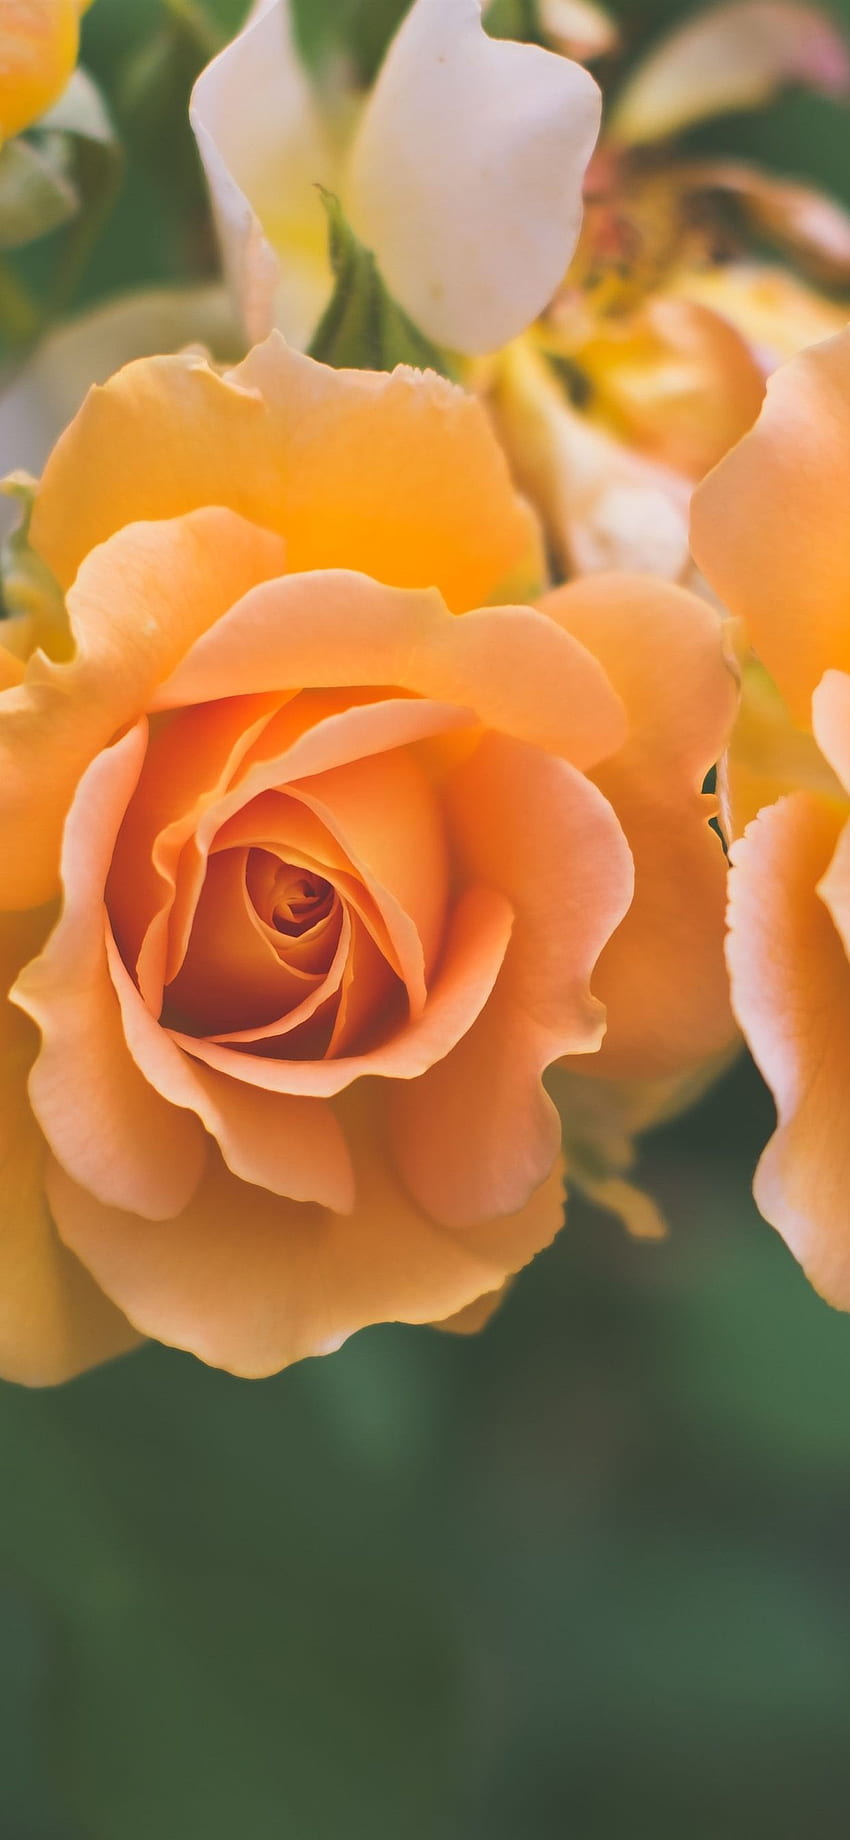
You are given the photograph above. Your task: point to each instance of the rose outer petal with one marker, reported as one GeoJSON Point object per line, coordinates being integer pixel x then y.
{"type": "Point", "coordinates": [474, 1136]}
{"type": "Point", "coordinates": [768, 526]}
{"type": "Point", "coordinates": [791, 992]}
{"type": "Point", "coordinates": [662, 976]}
{"type": "Point", "coordinates": [397, 475]}
{"type": "Point", "coordinates": [54, 1320]}
{"type": "Point", "coordinates": [295, 1281]}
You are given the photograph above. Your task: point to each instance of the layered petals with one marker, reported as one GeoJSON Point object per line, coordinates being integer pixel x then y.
{"type": "Point", "coordinates": [396, 475]}
{"type": "Point", "coordinates": [769, 529]}
{"type": "Point", "coordinates": [294, 1281]}
{"type": "Point", "coordinates": [661, 649]}
{"type": "Point", "coordinates": [54, 1319]}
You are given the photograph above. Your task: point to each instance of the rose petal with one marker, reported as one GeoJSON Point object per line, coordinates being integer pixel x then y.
{"type": "Point", "coordinates": [398, 475]}
{"type": "Point", "coordinates": [265, 151]}
{"type": "Point", "coordinates": [476, 940]}
{"type": "Point", "coordinates": [768, 526]}
{"type": "Point", "coordinates": [476, 1134]}
{"type": "Point", "coordinates": [507, 664]}
{"type": "Point", "coordinates": [466, 173]}
{"type": "Point", "coordinates": [294, 1280]}
{"type": "Point", "coordinates": [54, 1321]}
{"type": "Point", "coordinates": [138, 601]}
{"type": "Point", "coordinates": [114, 1134]}
{"type": "Point", "coordinates": [662, 975]}
{"type": "Point", "coordinates": [791, 991]}
{"type": "Point", "coordinates": [729, 57]}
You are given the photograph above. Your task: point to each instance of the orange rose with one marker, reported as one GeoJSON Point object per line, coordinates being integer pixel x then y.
{"type": "Point", "coordinates": [770, 533]}
{"type": "Point", "coordinates": [335, 876]}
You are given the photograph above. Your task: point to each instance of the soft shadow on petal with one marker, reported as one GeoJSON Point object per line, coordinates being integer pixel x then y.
{"type": "Point", "coordinates": [250, 1283]}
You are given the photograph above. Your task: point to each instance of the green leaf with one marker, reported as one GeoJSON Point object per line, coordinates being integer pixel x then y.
{"type": "Point", "coordinates": [36, 193]}
{"type": "Point", "coordinates": [362, 327]}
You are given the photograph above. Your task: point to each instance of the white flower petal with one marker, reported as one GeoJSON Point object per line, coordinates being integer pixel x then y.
{"type": "Point", "coordinates": [466, 172]}
{"type": "Point", "coordinates": [264, 149]}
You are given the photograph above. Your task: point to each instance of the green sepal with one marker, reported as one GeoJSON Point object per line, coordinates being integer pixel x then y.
{"type": "Point", "coordinates": [362, 327]}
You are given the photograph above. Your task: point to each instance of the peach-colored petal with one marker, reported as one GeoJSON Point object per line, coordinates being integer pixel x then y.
{"type": "Point", "coordinates": [474, 948]}
{"type": "Point", "coordinates": [137, 603]}
{"type": "Point", "coordinates": [675, 380]}
{"type": "Point", "coordinates": [662, 976]}
{"type": "Point", "coordinates": [386, 816]}
{"type": "Point", "coordinates": [54, 1321]}
{"type": "Point", "coordinates": [728, 57]}
{"type": "Point", "coordinates": [114, 1134]}
{"type": "Point", "coordinates": [831, 722]}
{"type": "Point", "coordinates": [292, 1280]}
{"type": "Point", "coordinates": [396, 475]}
{"type": "Point", "coordinates": [233, 975]}
{"type": "Point", "coordinates": [292, 1146]}
{"type": "Point", "coordinates": [476, 1134]}
{"type": "Point", "coordinates": [189, 763]}
{"type": "Point", "coordinates": [768, 526]}
{"type": "Point", "coordinates": [507, 664]}
{"type": "Point", "coordinates": [791, 991]}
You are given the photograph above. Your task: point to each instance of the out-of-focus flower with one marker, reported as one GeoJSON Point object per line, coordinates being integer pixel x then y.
{"type": "Point", "coordinates": [461, 170]}
{"type": "Point", "coordinates": [770, 533]}
{"type": "Point", "coordinates": [338, 855]}
{"type": "Point", "coordinates": [650, 363]}
{"type": "Point", "coordinates": [39, 40]}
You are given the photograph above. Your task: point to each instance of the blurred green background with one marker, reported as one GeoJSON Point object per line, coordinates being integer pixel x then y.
{"type": "Point", "coordinates": [584, 1577]}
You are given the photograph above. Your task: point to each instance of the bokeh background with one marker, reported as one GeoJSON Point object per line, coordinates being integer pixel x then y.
{"type": "Point", "coordinates": [584, 1577]}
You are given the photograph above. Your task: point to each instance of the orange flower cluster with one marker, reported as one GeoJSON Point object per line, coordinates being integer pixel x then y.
{"type": "Point", "coordinates": [341, 844]}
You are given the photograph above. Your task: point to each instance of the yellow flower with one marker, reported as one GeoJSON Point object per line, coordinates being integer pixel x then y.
{"type": "Point", "coordinates": [39, 40]}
